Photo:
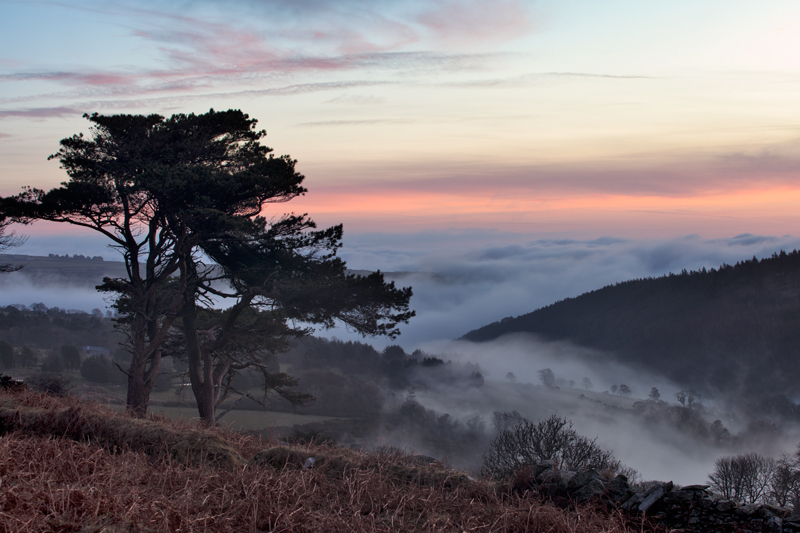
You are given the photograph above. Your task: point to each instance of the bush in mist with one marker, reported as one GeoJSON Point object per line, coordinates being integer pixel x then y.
{"type": "Point", "coordinates": [505, 420]}
{"type": "Point", "coordinates": [689, 398]}
{"type": "Point", "coordinates": [681, 419]}
{"type": "Point", "coordinates": [53, 384]}
{"type": "Point", "coordinates": [441, 435]}
{"type": "Point", "coordinates": [527, 443]}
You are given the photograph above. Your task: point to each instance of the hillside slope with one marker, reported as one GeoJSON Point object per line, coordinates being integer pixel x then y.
{"type": "Point", "coordinates": [732, 329]}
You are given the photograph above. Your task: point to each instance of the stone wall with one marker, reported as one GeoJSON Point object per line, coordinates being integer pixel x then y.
{"type": "Point", "coordinates": [691, 508]}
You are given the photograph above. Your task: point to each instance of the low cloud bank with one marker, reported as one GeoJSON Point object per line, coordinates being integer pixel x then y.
{"type": "Point", "coordinates": [464, 280]}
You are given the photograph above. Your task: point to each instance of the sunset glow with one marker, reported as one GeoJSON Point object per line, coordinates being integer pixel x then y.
{"type": "Point", "coordinates": [538, 117]}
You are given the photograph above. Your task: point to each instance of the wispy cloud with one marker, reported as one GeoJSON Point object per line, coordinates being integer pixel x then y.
{"type": "Point", "coordinates": [39, 112]}
{"type": "Point", "coordinates": [540, 77]}
{"type": "Point", "coordinates": [367, 122]}
{"type": "Point", "coordinates": [5, 136]}
{"type": "Point", "coordinates": [203, 51]}
{"type": "Point", "coordinates": [356, 99]}
{"type": "Point", "coordinates": [637, 175]}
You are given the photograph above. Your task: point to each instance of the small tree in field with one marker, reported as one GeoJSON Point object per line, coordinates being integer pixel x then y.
{"type": "Point", "coordinates": [547, 377]}
{"type": "Point", "coordinates": [527, 444]}
{"type": "Point", "coordinates": [654, 394]}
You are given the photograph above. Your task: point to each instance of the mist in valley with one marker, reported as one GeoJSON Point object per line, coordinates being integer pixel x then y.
{"type": "Point", "coordinates": [464, 280]}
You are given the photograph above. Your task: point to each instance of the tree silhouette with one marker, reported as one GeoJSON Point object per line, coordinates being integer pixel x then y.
{"type": "Point", "coordinates": [547, 377]}
{"type": "Point", "coordinates": [182, 200]}
{"type": "Point", "coordinates": [654, 394]}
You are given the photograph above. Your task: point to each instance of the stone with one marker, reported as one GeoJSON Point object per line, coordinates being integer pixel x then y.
{"type": "Point", "coordinates": [589, 491]}
{"type": "Point", "coordinates": [726, 505]}
{"type": "Point", "coordinates": [619, 490]}
{"type": "Point", "coordinates": [774, 524]}
{"type": "Point", "coordinates": [542, 467]}
{"type": "Point", "coordinates": [695, 487]}
{"type": "Point", "coordinates": [680, 495]}
{"type": "Point", "coordinates": [632, 502]}
{"type": "Point", "coordinates": [745, 510]}
{"type": "Point", "coordinates": [584, 478]}
{"type": "Point", "coordinates": [656, 493]}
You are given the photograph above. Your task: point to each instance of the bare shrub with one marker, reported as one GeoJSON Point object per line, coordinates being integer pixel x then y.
{"type": "Point", "coordinates": [526, 444]}
{"type": "Point", "coordinates": [745, 478]}
{"type": "Point", "coordinates": [784, 487]}
{"type": "Point", "coordinates": [55, 384]}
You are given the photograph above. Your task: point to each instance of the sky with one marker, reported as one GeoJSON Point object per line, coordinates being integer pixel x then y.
{"type": "Point", "coordinates": [439, 132]}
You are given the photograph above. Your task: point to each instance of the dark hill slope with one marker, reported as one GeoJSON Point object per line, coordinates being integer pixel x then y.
{"type": "Point", "coordinates": [732, 329]}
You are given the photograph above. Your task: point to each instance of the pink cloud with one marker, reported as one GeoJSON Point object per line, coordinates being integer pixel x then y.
{"type": "Point", "coordinates": [308, 36]}
{"type": "Point", "coordinates": [477, 21]}
{"type": "Point", "coordinates": [73, 78]}
{"type": "Point", "coordinates": [5, 136]}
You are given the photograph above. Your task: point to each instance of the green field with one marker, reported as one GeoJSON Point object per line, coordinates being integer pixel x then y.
{"type": "Point", "coordinates": [245, 420]}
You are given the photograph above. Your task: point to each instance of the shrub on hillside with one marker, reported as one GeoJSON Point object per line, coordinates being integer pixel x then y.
{"type": "Point", "coordinates": [527, 444]}
{"type": "Point", "coordinates": [53, 384]}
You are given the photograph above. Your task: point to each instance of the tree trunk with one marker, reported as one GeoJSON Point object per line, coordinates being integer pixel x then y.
{"type": "Point", "coordinates": [199, 362]}
{"type": "Point", "coordinates": [138, 394]}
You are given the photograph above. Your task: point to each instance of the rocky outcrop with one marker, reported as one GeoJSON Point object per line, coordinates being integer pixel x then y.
{"type": "Point", "coordinates": [691, 508]}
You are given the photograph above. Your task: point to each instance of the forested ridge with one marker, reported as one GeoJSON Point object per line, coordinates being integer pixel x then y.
{"type": "Point", "coordinates": [735, 328]}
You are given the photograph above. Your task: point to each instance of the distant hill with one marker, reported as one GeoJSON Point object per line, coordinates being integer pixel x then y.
{"type": "Point", "coordinates": [727, 330]}
{"type": "Point", "coordinates": [77, 269]}
{"type": "Point", "coordinates": [81, 270]}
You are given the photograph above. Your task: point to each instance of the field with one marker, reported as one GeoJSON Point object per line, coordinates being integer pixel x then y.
{"type": "Point", "coordinates": [245, 420]}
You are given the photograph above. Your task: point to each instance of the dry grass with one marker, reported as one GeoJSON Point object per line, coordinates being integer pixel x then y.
{"type": "Point", "coordinates": [50, 483]}
{"type": "Point", "coordinates": [36, 414]}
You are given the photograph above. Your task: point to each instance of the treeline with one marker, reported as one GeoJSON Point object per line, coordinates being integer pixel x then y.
{"type": "Point", "coordinates": [354, 379]}
{"type": "Point", "coordinates": [46, 328]}
{"type": "Point", "coordinates": [76, 256]}
{"type": "Point", "coordinates": [726, 330]}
